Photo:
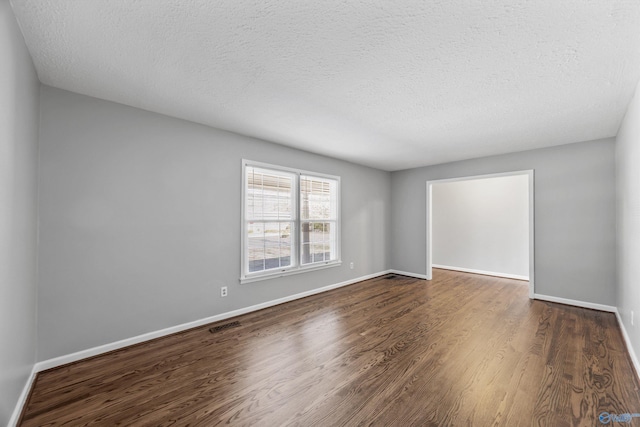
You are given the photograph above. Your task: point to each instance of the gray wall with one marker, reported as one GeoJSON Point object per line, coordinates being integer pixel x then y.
{"type": "Point", "coordinates": [574, 216]}
{"type": "Point", "coordinates": [140, 222]}
{"type": "Point", "coordinates": [482, 224]}
{"type": "Point", "coordinates": [18, 212]}
{"type": "Point", "coordinates": [628, 209]}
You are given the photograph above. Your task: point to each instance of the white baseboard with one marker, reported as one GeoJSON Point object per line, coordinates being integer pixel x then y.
{"type": "Point", "coordinates": [601, 307]}
{"type": "Point", "coordinates": [83, 354]}
{"type": "Point", "coordinates": [627, 341]}
{"type": "Point", "coordinates": [483, 272]}
{"type": "Point", "coordinates": [406, 273]}
{"type": "Point", "coordinates": [95, 351]}
{"type": "Point", "coordinates": [74, 357]}
{"type": "Point", "coordinates": [583, 304]}
{"type": "Point", "coordinates": [22, 400]}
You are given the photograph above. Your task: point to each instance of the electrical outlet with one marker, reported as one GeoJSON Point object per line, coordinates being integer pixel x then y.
{"type": "Point", "coordinates": [223, 291]}
{"type": "Point", "coordinates": [351, 266]}
{"type": "Point", "coordinates": [631, 317]}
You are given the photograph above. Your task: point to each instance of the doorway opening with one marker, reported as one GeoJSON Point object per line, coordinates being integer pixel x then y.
{"type": "Point", "coordinates": [528, 174]}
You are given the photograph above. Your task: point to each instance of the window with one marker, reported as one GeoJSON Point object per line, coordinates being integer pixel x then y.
{"type": "Point", "coordinates": [290, 221]}
{"type": "Point", "coordinates": [318, 219]}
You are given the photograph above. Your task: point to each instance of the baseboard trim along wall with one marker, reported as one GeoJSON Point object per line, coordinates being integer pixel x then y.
{"type": "Point", "coordinates": [95, 351]}
{"type": "Point", "coordinates": [406, 273]}
{"type": "Point", "coordinates": [483, 272]}
{"type": "Point", "coordinates": [600, 307]}
{"type": "Point", "coordinates": [627, 342]}
{"type": "Point", "coordinates": [83, 354]}
{"type": "Point", "coordinates": [576, 303]}
{"type": "Point", "coordinates": [22, 400]}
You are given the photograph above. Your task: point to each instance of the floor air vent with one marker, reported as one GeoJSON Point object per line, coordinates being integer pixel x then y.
{"type": "Point", "coordinates": [223, 327]}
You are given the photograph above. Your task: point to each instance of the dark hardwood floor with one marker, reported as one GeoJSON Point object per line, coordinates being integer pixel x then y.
{"type": "Point", "coordinates": [463, 349]}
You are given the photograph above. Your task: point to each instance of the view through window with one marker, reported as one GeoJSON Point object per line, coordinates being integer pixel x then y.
{"type": "Point", "coordinates": [290, 220]}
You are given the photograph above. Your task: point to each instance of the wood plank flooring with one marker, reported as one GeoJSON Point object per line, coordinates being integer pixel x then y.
{"type": "Point", "coordinates": [463, 349]}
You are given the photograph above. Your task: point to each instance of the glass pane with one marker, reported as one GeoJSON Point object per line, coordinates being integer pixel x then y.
{"type": "Point", "coordinates": [318, 198]}
{"type": "Point", "coordinates": [305, 254]}
{"type": "Point", "coordinates": [323, 231]}
{"type": "Point", "coordinates": [318, 242]}
{"type": "Point", "coordinates": [272, 245]}
{"type": "Point", "coordinates": [318, 253]}
{"type": "Point", "coordinates": [253, 204]}
{"type": "Point", "coordinates": [270, 210]}
{"type": "Point", "coordinates": [269, 194]}
{"type": "Point", "coordinates": [306, 232]}
{"type": "Point", "coordinates": [328, 251]}
{"type": "Point", "coordinates": [285, 198]}
{"type": "Point", "coordinates": [269, 245]}
{"type": "Point", "coordinates": [256, 247]}
{"type": "Point", "coordinates": [285, 244]}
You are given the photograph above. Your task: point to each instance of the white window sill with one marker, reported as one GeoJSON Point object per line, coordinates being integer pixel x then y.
{"type": "Point", "coordinates": [282, 273]}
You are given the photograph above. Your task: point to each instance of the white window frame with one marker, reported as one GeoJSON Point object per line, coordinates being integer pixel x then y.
{"type": "Point", "coordinates": [296, 264]}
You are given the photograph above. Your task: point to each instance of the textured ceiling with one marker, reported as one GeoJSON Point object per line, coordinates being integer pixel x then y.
{"type": "Point", "coordinates": [389, 84]}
